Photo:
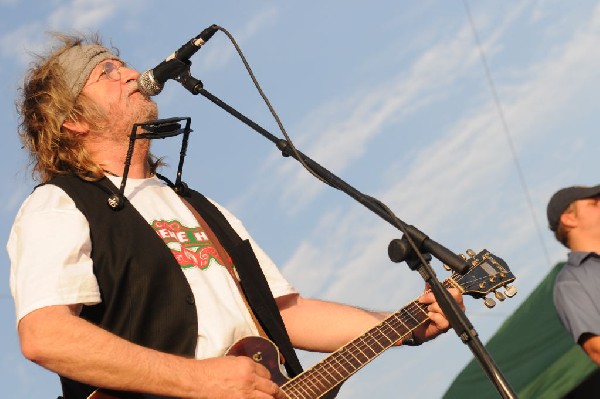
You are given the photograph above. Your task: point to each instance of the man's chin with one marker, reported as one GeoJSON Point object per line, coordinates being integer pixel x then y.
{"type": "Point", "coordinates": [148, 113]}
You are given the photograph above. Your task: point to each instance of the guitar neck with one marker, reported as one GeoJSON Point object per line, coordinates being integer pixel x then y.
{"type": "Point", "coordinates": [340, 365]}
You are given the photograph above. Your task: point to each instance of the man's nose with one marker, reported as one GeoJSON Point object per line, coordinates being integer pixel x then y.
{"type": "Point", "coordinates": [128, 74]}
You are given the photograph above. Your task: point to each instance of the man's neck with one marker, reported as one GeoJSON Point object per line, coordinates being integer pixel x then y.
{"type": "Point", "coordinates": [136, 171]}
{"type": "Point", "coordinates": [111, 156]}
{"type": "Point", "coordinates": [584, 245]}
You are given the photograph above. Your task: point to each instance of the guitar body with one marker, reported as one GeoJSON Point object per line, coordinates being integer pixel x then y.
{"type": "Point", "coordinates": [262, 351]}
{"type": "Point", "coordinates": [265, 352]}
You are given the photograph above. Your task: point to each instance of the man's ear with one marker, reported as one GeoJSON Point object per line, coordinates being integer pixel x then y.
{"type": "Point", "coordinates": [569, 219]}
{"type": "Point", "coordinates": [77, 126]}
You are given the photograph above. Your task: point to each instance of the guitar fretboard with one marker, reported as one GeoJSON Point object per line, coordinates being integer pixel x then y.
{"type": "Point", "coordinates": [340, 365]}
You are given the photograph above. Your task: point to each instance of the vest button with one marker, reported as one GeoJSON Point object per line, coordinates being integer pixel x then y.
{"type": "Point", "coordinates": [190, 299]}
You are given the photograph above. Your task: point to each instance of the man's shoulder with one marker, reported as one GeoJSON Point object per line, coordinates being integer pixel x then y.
{"type": "Point", "coordinates": [46, 197]}
{"type": "Point", "coordinates": [581, 268]}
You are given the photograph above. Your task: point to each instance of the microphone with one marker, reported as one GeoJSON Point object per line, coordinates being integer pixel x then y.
{"type": "Point", "coordinates": [152, 81]}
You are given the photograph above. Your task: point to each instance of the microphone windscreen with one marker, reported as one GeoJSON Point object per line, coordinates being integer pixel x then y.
{"type": "Point", "coordinates": [147, 85]}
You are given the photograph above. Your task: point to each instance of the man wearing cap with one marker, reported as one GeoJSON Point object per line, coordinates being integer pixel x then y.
{"type": "Point", "coordinates": [574, 217]}
{"type": "Point", "coordinates": [100, 299]}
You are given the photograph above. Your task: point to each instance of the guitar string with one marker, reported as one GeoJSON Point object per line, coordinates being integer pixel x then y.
{"type": "Point", "coordinates": [395, 328]}
{"type": "Point", "coordinates": [355, 355]}
{"type": "Point", "coordinates": [377, 330]}
{"type": "Point", "coordinates": [403, 316]}
{"type": "Point", "coordinates": [336, 381]}
{"type": "Point", "coordinates": [371, 334]}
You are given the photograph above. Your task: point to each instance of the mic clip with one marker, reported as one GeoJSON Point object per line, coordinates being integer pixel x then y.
{"type": "Point", "coordinates": [189, 82]}
{"type": "Point", "coordinates": [175, 69]}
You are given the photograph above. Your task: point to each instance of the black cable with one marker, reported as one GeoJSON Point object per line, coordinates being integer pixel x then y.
{"type": "Point", "coordinates": [397, 222]}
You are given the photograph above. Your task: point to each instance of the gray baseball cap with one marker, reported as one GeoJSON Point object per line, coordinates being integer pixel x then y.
{"type": "Point", "coordinates": [561, 200]}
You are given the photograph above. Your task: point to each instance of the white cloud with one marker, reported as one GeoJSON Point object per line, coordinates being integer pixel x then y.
{"type": "Point", "coordinates": [20, 43]}
{"type": "Point", "coordinates": [78, 15]}
{"type": "Point", "coordinates": [456, 182]}
{"type": "Point", "coordinates": [82, 15]}
{"type": "Point", "coordinates": [342, 129]}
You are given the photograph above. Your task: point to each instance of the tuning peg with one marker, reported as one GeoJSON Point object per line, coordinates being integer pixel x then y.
{"type": "Point", "coordinates": [471, 253]}
{"type": "Point", "coordinates": [499, 296]}
{"type": "Point", "coordinates": [489, 302]}
{"type": "Point", "coordinates": [446, 267]}
{"type": "Point", "coordinates": [510, 291]}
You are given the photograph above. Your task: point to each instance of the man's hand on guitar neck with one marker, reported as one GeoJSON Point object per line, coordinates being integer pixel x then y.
{"type": "Point", "coordinates": [437, 323]}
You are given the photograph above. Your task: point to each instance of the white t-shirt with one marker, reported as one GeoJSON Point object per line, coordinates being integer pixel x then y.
{"type": "Point", "coordinates": [49, 248]}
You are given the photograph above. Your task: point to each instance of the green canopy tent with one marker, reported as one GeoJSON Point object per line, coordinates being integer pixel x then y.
{"type": "Point", "coordinates": [535, 354]}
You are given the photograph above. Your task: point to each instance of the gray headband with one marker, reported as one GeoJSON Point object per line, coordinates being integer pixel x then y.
{"type": "Point", "coordinates": [78, 63]}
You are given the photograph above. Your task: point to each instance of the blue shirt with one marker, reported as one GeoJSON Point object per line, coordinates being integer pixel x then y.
{"type": "Point", "coordinates": [577, 294]}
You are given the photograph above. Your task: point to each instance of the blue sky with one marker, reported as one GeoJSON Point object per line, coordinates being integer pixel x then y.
{"type": "Point", "coordinates": [392, 96]}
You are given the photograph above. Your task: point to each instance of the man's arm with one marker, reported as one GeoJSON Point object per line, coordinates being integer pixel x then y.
{"type": "Point", "coordinates": [60, 341]}
{"type": "Point", "coordinates": [326, 326]}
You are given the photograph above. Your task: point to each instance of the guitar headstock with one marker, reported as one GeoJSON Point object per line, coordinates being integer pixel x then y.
{"type": "Point", "coordinates": [486, 273]}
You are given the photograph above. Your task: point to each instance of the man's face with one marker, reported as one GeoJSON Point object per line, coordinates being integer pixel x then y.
{"type": "Point", "coordinates": [586, 214]}
{"type": "Point", "coordinates": [113, 88]}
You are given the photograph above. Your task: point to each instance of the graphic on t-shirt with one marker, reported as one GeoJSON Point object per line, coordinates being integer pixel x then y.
{"type": "Point", "coordinates": [191, 247]}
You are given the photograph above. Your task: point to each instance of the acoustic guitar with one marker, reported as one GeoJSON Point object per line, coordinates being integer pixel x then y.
{"type": "Point", "coordinates": [486, 274]}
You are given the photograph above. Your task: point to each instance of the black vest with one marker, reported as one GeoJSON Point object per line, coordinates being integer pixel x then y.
{"type": "Point", "coordinates": [146, 298]}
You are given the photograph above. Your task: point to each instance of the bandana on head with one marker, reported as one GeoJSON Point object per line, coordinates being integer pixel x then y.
{"type": "Point", "coordinates": [78, 63]}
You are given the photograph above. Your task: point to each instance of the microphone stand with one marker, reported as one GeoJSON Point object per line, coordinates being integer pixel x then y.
{"type": "Point", "coordinates": [409, 248]}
